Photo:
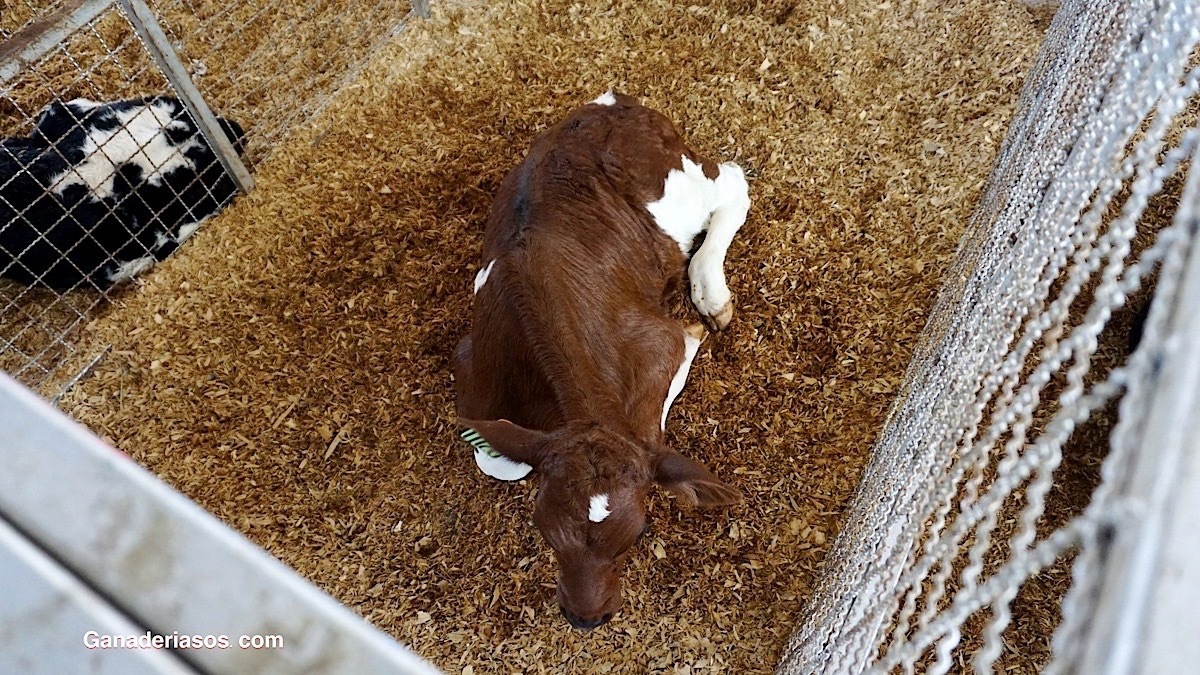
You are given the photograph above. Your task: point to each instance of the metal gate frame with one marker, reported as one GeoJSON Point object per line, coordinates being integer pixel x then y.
{"type": "Point", "coordinates": [92, 543]}
{"type": "Point", "coordinates": [41, 37]}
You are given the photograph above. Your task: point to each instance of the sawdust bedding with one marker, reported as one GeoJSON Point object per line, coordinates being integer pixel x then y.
{"type": "Point", "coordinates": [289, 368]}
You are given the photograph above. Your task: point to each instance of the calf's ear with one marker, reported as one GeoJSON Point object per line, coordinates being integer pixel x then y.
{"type": "Point", "coordinates": [511, 440]}
{"type": "Point", "coordinates": [692, 483]}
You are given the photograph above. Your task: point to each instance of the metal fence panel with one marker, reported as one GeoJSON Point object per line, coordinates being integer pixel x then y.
{"type": "Point", "coordinates": [172, 567]}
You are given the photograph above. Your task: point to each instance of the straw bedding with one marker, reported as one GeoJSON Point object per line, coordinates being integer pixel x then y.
{"type": "Point", "coordinates": [289, 368]}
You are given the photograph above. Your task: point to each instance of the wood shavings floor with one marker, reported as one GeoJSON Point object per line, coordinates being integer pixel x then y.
{"type": "Point", "coordinates": [289, 369]}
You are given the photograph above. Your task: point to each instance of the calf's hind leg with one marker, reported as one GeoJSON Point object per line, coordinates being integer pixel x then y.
{"type": "Point", "coordinates": [706, 271]}
{"type": "Point", "coordinates": [692, 203]}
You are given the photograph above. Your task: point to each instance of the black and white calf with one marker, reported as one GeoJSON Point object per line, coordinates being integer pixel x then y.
{"type": "Point", "coordinates": [99, 192]}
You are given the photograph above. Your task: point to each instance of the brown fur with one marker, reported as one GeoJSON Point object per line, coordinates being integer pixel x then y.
{"type": "Point", "coordinates": [571, 352]}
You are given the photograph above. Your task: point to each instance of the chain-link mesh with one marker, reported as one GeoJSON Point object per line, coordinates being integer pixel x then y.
{"type": "Point", "coordinates": [275, 63]}
{"type": "Point", "coordinates": [945, 525]}
{"type": "Point", "coordinates": [92, 191]}
{"type": "Point", "coordinates": [92, 195]}
{"type": "Point", "coordinates": [19, 14]}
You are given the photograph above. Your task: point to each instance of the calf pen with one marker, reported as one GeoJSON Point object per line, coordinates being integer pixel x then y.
{"type": "Point", "coordinates": [268, 64]}
{"type": "Point", "coordinates": [334, 469]}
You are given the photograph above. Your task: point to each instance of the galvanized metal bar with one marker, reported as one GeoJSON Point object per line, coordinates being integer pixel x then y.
{"type": "Point", "coordinates": [146, 25]}
{"type": "Point", "coordinates": [49, 618]}
{"type": "Point", "coordinates": [421, 8]}
{"type": "Point", "coordinates": [42, 36]}
{"type": "Point", "coordinates": [166, 563]}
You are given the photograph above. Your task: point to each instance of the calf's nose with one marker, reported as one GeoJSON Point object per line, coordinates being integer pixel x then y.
{"type": "Point", "coordinates": [585, 623]}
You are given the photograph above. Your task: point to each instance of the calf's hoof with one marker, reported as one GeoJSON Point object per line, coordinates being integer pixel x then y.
{"type": "Point", "coordinates": [721, 319]}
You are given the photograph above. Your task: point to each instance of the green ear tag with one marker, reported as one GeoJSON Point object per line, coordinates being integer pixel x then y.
{"type": "Point", "coordinates": [478, 442]}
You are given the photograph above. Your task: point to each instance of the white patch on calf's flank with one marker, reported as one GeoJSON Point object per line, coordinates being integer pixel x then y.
{"type": "Point", "coordinates": [481, 277]}
{"type": "Point", "coordinates": [139, 139]}
{"type": "Point", "coordinates": [598, 508]}
{"type": "Point", "coordinates": [84, 103]}
{"type": "Point", "coordinates": [186, 231]}
{"type": "Point", "coordinates": [688, 199]}
{"type": "Point", "coordinates": [161, 239]}
{"type": "Point", "coordinates": [606, 98]}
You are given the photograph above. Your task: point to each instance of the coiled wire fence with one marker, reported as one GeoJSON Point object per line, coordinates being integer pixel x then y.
{"type": "Point", "coordinates": [948, 522]}
{"type": "Point", "coordinates": [262, 66]}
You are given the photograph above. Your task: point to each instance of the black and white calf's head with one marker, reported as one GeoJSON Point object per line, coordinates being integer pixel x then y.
{"type": "Point", "coordinates": [98, 192]}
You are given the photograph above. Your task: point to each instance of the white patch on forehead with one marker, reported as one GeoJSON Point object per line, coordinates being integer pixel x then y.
{"type": "Point", "coordinates": [138, 139]}
{"type": "Point", "coordinates": [606, 98]}
{"type": "Point", "coordinates": [688, 199]}
{"type": "Point", "coordinates": [482, 276]}
{"type": "Point", "coordinates": [598, 508]}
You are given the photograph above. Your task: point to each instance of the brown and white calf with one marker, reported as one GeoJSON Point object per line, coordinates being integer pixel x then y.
{"type": "Point", "coordinates": [572, 361]}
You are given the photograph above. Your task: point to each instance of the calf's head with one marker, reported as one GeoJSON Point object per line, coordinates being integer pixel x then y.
{"type": "Point", "coordinates": [591, 502]}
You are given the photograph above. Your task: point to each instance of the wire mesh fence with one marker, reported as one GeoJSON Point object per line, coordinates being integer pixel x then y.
{"type": "Point", "coordinates": [90, 193]}
{"type": "Point", "coordinates": [19, 14]}
{"type": "Point", "coordinates": [949, 521]}
{"type": "Point", "coordinates": [272, 62]}
{"type": "Point", "coordinates": [110, 159]}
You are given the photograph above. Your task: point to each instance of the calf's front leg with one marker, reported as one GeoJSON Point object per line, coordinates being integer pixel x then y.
{"type": "Point", "coordinates": [489, 461]}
